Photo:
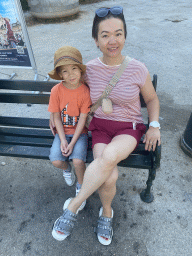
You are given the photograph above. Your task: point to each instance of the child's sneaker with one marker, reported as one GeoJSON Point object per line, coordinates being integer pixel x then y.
{"type": "Point", "coordinates": [69, 176]}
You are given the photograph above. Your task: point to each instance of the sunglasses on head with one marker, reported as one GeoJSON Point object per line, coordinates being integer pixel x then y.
{"type": "Point", "coordinates": [115, 10]}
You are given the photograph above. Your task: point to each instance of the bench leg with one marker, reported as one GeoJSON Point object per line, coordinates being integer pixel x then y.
{"type": "Point", "coordinates": [146, 195]}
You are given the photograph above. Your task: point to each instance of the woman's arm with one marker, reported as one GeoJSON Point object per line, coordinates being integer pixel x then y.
{"type": "Point", "coordinates": [152, 102]}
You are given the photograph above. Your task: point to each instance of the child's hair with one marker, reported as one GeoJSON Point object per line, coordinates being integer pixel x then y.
{"type": "Point", "coordinates": [58, 69]}
{"type": "Point", "coordinates": [97, 20]}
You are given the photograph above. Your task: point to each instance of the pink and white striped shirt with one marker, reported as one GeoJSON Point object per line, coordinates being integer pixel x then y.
{"type": "Point", "coordinates": [125, 94]}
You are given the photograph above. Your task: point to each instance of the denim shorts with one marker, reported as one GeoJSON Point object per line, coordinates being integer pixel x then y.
{"type": "Point", "coordinates": [79, 150]}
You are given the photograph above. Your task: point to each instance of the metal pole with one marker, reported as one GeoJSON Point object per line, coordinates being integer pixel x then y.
{"type": "Point", "coordinates": [186, 138]}
{"type": "Point", "coordinates": [26, 36]}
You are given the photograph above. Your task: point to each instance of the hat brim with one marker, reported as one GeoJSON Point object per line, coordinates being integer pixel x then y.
{"type": "Point", "coordinates": [54, 75]}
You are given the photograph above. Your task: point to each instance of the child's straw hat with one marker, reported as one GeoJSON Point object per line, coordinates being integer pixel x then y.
{"type": "Point", "coordinates": [66, 55]}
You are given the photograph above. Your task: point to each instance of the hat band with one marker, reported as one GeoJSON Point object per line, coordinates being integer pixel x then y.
{"type": "Point", "coordinates": [66, 57]}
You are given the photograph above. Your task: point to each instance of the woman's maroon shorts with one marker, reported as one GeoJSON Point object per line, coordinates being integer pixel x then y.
{"type": "Point", "coordinates": [103, 131]}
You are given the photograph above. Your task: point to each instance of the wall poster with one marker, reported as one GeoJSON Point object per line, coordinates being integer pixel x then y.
{"type": "Point", "coordinates": [15, 47]}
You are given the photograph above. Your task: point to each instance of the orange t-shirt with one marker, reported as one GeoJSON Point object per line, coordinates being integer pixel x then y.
{"type": "Point", "coordinates": [70, 103]}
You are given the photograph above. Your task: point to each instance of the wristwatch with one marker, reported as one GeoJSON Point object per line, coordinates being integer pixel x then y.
{"type": "Point", "coordinates": [155, 124]}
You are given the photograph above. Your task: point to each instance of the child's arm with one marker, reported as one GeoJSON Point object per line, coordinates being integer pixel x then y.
{"type": "Point", "coordinates": [78, 131]}
{"type": "Point", "coordinates": [52, 124]}
{"type": "Point", "coordinates": [60, 130]}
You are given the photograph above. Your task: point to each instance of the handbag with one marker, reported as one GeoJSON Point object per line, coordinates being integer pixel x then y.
{"type": "Point", "coordinates": [104, 100]}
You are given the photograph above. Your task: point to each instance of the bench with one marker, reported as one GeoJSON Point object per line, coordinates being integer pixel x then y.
{"type": "Point", "coordinates": [32, 138]}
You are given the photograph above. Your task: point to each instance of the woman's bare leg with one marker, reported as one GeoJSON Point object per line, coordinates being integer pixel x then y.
{"type": "Point", "coordinates": [102, 167]}
{"type": "Point", "coordinates": [107, 190]}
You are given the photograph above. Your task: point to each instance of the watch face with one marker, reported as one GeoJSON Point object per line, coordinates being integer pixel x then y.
{"type": "Point", "coordinates": [155, 124]}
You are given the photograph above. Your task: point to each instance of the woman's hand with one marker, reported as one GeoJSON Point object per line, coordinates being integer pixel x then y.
{"type": "Point", "coordinates": [152, 136]}
{"type": "Point", "coordinates": [52, 124]}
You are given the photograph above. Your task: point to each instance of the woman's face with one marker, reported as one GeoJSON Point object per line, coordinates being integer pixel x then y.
{"type": "Point", "coordinates": [111, 37]}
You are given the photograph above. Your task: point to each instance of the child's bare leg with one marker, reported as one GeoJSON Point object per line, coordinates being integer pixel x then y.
{"type": "Point", "coordinates": [68, 174]}
{"type": "Point", "coordinates": [60, 164]}
{"type": "Point", "coordinates": [80, 167]}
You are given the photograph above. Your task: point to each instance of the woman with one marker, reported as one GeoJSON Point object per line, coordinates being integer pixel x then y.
{"type": "Point", "coordinates": [117, 134]}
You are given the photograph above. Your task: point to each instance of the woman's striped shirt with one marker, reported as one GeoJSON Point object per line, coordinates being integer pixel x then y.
{"type": "Point", "coordinates": [125, 94]}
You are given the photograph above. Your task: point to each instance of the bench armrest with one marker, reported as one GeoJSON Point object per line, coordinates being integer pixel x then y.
{"type": "Point", "coordinates": [156, 156]}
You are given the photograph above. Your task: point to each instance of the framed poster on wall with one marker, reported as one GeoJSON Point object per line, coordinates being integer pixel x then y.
{"type": "Point", "coordinates": [15, 47]}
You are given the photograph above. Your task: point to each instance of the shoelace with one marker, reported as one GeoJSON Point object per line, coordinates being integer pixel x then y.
{"type": "Point", "coordinates": [67, 175]}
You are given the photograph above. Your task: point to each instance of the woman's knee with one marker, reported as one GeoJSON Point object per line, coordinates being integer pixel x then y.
{"type": "Point", "coordinates": [109, 156]}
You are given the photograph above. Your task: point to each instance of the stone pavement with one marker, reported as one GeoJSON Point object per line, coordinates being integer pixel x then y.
{"type": "Point", "coordinates": [33, 192]}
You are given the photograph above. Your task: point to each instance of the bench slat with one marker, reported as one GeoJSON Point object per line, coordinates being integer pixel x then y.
{"type": "Point", "coordinates": [10, 131]}
{"type": "Point", "coordinates": [26, 141]}
{"type": "Point", "coordinates": [26, 85]}
{"type": "Point", "coordinates": [133, 161]}
{"type": "Point", "coordinates": [137, 161]}
{"type": "Point", "coordinates": [24, 98]}
{"type": "Point", "coordinates": [24, 122]}
{"type": "Point", "coordinates": [24, 151]}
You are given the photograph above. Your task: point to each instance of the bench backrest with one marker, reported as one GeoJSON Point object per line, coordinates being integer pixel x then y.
{"type": "Point", "coordinates": [34, 92]}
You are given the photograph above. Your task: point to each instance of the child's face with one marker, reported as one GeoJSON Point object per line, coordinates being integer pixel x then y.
{"type": "Point", "coordinates": [71, 74]}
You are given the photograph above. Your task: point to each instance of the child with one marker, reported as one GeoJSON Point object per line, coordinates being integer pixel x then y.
{"type": "Point", "coordinates": [69, 102]}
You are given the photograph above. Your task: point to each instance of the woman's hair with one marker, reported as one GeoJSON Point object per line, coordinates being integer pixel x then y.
{"type": "Point", "coordinates": [97, 20]}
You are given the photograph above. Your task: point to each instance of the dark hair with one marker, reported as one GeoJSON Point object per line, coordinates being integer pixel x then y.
{"type": "Point", "coordinates": [97, 20]}
{"type": "Point", "coordinates": [58, 69]}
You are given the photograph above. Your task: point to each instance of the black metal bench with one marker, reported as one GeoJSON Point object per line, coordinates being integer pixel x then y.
{"type": "Point", "coordinates": [32, 138]}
